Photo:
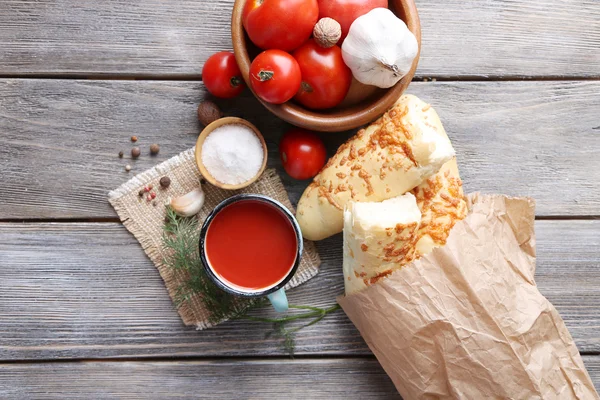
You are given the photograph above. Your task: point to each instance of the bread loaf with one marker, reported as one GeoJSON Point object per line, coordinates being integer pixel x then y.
{"type": "Point", "coordinates": [392, 156]}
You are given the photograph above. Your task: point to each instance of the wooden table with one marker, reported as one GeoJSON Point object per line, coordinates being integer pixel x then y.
{"type": "Point", "coordinates": [83, 312]}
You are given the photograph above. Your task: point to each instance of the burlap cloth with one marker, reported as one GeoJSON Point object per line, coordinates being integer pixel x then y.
{"type": "Point", "coordinates": [146, 221]}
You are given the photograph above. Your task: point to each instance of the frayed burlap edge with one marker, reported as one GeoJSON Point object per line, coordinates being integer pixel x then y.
{"type": "Point", "coordinates": [145, 222]}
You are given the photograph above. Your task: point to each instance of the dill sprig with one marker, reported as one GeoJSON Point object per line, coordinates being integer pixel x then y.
{"type": "Point", "coordinates": [180, 239]}
{"type": "Point", "coordinates": [288, 334]}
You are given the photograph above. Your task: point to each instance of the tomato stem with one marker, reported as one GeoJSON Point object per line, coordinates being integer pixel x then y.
{"type": "Point", "coordinates": [306, 87]}
{"type": "Point", "coordinates": [265, 75]}
{"type": "Point", "coordinates": [235, 81]}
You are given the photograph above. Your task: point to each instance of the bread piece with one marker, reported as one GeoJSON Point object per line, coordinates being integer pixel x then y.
{"type": "Point", "coordinates": [392, 156]}
{"type": "Point", "coordinates": [378, 238]}
{"type": "Point", "coordinates": [382, 237]}
{"type": "Point", "coordinates": [442, 204]}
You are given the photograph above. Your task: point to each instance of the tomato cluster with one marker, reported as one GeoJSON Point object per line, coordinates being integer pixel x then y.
{"type": "Point", "coordinates": [323, 80]}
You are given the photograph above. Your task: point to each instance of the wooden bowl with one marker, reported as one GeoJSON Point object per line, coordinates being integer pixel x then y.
{"type": "Point", "coordinates": [207, 131]}
{"type": "Point", "coordinates": [342, 117]}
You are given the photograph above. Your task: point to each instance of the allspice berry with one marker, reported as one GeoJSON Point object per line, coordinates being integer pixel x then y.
{"type": "Point", "coordinates": [165, 181]}
{"type": "Point", "coordinates": [154, 149]}
{"type": "Point", "coordinates": [135, 152]}
{"type": "Point", "coordinates": [134, 139]}
{"type": "Point", "coordinates": [208, 112]}
{"type": "Point", "coordinates": [327, 32]}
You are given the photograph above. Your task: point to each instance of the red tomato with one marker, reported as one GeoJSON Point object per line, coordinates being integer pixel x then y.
{"type": "Point", "coordinates": [280, 24]}
{"type": "Point", "coordinates": [346, 11]}
{"type": "Point", "coordinates": [302, 153]}
{"type": "Point", "coordinates": [221, 75]}
{"type": "Point", "coordinates": [275, 76]}
{"type": "Point", "coordinates": [325, 78]}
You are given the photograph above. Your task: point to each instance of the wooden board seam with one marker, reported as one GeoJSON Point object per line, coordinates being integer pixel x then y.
{"type": "Point", "coordinates": [167, 360]}
{"type": "Point", "coordinates": [198, 78]}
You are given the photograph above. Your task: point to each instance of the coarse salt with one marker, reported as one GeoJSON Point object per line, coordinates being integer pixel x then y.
{"type": "Point", "coordinates": [232, 154]}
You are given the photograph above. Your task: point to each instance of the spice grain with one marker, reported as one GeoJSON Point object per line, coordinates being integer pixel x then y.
{"type": "Point", "coordinates": [165, 181]}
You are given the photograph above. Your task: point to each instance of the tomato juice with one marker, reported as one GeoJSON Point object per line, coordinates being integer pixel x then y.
{"type": "Point", "coordinates": [251, 245]}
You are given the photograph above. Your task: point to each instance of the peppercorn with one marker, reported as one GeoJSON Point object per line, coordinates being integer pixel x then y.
{"type": "Point", "coordinates": [154, 203]}
{"type": "Point", "coordinates": [154, 149]}
{"type": "Point", "coordinates": [128, 168]}
{"type": "Point", "coordinates": [120, 154]}
{"type": "Point", "coordinates": [134, 139]}
{"type": "Point", "coordinates": [149, 197]}
{"type": "Point", "coordinates": [153, 195]}
{"type": "Point", "coordinates": [165, 181]}
{"type": "Point", "coordinates": [202, 181]}
{"type": "Point", "coordinates": [135, 152]}
{"type": "Point", "coordinates": [141, 192]}
{"type": "Point", "coordinates": [150, 187]}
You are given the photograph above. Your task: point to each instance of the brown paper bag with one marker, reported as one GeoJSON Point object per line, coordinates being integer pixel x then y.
{"type": "Point", "coordinates": [467, 321]}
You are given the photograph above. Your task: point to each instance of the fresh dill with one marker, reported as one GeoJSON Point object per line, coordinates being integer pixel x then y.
{"type": "Point", "coordinates": [180, 239]}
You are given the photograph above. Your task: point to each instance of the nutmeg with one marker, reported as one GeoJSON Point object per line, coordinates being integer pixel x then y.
{"type": "Point", "coordinates": [208, 112]}
{"type": "Point", "coordinates": [327, 32]}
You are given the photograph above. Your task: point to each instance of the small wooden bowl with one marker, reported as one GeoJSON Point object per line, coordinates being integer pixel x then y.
{"type": "Point", "coordinates": [340, 118]}
{"type": "Point", "coordinates": [207, 131]}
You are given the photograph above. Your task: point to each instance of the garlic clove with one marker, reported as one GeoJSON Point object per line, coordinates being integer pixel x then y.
{"type": "Point", "coordinates": [189, 204]}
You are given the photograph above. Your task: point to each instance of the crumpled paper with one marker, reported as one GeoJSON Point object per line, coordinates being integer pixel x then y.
{"type": "Point", "coordinates": [467, 321]}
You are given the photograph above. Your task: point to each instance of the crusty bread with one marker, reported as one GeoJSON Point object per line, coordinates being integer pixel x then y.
{"type": "Point", "coordinates": [381, 237]}
{"type": "Point", "coordinates": [441, 201]}
{"type": "Point", "coordinates": [392, 156]}
{"type": "Point", "coordinates": [377, 238]}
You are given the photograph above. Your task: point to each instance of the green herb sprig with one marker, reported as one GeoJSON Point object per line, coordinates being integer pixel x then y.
{"type": "Point", "coordinates": [180, 239]}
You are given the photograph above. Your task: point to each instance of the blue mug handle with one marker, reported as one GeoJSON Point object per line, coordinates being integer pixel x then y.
{"type": "Point", "coordinates": [279, 300]}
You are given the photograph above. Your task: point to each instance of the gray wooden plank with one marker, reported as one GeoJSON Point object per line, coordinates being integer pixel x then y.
{"type": "Point", "coordinates": [351, 378]}
{"type": "Point", "coordinates": [88, 291]}
{"type": "Point", "coordinates": [348, 378]}
{"type": "Point", "coordinates": [59, 139]}
{"type": "Point", "coordinates": [152, 37]}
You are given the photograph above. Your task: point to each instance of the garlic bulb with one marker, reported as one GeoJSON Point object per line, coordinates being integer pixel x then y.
{"type": "Point", "coordinates": [189, 204]}
{"type": "Point", "coordinates": [379, 48]}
